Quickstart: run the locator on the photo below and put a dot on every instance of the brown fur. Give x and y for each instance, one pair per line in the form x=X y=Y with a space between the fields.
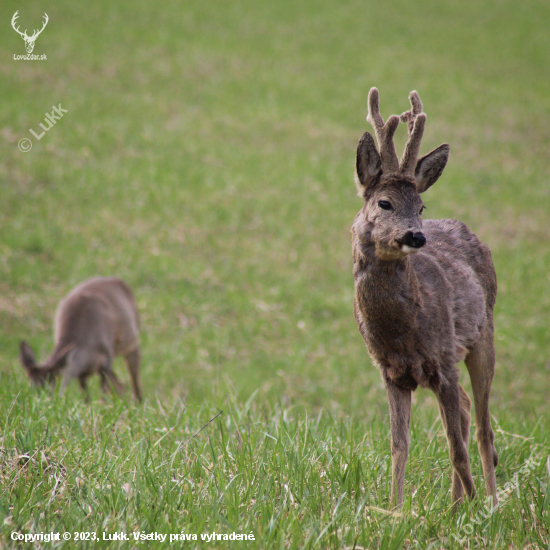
x=95 y=322
x=424 y=298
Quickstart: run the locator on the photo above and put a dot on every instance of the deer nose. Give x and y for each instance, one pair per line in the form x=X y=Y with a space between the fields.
x=415 y=240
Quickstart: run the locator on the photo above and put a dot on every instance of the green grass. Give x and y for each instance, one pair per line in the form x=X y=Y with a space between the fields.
x=207 y=159
x=292 y=479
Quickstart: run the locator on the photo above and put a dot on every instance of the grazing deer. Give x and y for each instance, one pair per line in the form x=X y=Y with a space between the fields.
x=424 y=297
x=95 y=322
x=29 y=40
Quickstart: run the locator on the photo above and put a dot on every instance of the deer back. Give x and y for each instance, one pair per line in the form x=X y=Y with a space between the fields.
x=100 y=313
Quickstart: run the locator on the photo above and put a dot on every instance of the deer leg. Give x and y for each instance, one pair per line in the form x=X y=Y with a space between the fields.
x=452 y=406
x=457 y=489
x=109 y=381
x=52 y=383
x=132 y=362
x=67 y=376
x=481 y=366
x=400 y=420
x=76 y=368
x=82 y=380
x=104 y=382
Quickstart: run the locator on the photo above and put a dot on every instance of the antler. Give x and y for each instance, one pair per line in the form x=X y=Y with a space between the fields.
x=415 y=120
x=36 y=33
x=384 y=133
x=16 y=29
x=24 y=34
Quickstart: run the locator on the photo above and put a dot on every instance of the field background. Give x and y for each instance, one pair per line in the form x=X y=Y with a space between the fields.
x=207 y=159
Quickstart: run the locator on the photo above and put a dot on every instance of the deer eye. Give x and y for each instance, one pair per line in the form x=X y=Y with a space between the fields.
x=384 y=205
x=422 y=210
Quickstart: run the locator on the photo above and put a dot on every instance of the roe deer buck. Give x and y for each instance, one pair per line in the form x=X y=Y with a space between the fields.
x=424 y=297
x=96 y=321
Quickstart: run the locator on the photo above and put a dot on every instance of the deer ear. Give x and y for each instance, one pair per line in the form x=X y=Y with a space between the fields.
x=26 y=356
x=430 y=167
x=367 y=164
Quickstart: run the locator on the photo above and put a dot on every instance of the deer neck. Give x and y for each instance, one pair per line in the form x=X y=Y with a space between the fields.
x=385 y=285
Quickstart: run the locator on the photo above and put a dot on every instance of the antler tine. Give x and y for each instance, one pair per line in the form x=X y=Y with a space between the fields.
x=415 y=120
x=36 y=33
x=416 y=109
x=13 y=21
x=384 y=132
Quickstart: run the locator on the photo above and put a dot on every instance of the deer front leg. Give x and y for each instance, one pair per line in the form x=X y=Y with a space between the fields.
x=400 y=419
x=109 y=380
x=82 y=380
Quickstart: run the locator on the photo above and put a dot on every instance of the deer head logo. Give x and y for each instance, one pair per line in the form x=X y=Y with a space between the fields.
x=29 y=40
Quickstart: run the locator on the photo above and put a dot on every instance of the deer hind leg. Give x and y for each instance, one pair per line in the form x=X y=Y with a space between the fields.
x=400 y=420
x=133 y=360
x=455 y=415
x=457 y=490
x=480 y=362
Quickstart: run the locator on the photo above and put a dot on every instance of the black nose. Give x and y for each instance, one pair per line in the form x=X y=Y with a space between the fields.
x=415 y=240
x=419 y=240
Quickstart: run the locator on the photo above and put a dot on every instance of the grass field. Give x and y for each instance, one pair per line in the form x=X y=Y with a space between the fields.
x=207 y=159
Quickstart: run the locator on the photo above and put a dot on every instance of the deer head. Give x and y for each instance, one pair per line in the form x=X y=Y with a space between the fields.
x=29 y=40
x=39 y=374
x=391 y=188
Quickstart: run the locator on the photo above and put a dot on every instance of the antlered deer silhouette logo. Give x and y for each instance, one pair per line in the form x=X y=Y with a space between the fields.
x=29 y=40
